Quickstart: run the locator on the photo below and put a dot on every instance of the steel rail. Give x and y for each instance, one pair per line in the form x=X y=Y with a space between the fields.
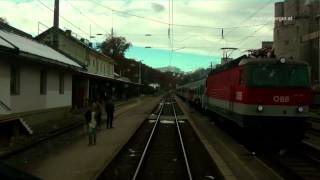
x=147 y=145
x=182 y=144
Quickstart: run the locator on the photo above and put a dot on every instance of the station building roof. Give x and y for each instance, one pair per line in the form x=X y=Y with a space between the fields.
x=28 y=47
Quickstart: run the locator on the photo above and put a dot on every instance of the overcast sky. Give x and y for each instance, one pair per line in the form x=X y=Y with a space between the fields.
x=197 y=29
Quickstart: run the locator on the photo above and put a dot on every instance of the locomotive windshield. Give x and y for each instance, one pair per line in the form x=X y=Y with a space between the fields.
x=275 y=75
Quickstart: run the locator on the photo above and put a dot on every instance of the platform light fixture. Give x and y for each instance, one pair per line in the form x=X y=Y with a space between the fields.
x=283 y=60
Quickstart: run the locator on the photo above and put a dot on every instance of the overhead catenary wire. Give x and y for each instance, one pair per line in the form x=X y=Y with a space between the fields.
x=251 y=16
x=82 y=14
x=168 y=23
x=172 y=24
x=245 y=20
x=257 y=30
x=43 y=4
x=241 y=41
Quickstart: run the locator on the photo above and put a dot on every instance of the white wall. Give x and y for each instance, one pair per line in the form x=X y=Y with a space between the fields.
x=53 y=98
x=4 y=86
x=30 y=99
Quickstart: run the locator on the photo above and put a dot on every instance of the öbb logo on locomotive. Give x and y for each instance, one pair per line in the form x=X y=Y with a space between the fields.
x=281 y=99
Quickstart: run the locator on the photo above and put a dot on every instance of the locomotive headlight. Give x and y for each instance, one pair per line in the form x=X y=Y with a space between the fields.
x=260 y=108
x=300 y=109
x=283 y=60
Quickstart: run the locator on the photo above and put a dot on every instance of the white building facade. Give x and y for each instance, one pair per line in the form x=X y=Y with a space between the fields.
x=35 y=84
x=27 y=87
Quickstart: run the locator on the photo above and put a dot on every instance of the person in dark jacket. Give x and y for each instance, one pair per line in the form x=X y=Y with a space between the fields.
x=109 y=110
x=99 y=112
x=87 y=117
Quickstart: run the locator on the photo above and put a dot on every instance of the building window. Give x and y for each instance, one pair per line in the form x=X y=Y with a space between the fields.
x=15 y=81
x=43 y=82
x=61 y=83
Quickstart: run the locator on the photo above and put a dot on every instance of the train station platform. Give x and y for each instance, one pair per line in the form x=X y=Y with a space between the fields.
x=82 y=162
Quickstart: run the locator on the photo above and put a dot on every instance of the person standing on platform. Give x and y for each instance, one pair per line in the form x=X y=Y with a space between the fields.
x=92 y=125
x=87 y=117
x=110 y=112
x=99 y=112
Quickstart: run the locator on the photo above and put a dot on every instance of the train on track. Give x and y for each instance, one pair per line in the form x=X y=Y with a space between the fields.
x=268 y=96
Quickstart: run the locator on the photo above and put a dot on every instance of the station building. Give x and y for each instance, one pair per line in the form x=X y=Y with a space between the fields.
x=35 y=85
x=40 y=84
x=98 y=80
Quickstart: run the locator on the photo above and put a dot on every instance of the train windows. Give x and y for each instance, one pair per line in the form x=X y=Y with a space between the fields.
x=278 y=76
x=298 y=76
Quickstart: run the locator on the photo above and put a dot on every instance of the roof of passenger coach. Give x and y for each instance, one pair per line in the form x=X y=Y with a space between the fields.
x=193 y=84
x=247 y=61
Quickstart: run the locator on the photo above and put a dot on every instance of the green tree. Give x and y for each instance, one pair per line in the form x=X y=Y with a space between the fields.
x=115 y=46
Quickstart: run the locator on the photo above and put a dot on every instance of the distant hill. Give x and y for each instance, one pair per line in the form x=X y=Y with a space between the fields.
x=170 y=69
x=194 y=75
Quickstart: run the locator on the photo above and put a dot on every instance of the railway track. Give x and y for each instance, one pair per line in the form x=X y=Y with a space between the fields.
x=300 y=163
x=164 y=147
x=143 y=170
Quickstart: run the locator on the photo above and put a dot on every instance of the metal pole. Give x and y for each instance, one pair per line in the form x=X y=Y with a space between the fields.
x=56 y=14
x=56 y=24
x=140 y=72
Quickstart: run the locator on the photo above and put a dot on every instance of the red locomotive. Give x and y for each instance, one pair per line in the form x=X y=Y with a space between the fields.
x=262 y=95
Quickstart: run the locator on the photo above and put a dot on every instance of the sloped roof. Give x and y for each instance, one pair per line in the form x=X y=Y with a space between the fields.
x=6 y=44
x=9 y=28
x=14 y=41
x=74 y=39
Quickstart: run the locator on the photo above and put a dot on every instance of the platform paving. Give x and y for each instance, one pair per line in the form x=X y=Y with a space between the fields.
x=82 y=162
